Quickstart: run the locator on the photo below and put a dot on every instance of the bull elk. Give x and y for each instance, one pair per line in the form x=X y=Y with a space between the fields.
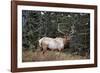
x=57 y=43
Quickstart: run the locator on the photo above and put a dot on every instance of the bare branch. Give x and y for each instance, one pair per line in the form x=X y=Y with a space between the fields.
x=38 y=29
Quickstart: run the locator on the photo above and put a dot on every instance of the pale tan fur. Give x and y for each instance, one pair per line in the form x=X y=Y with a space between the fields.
x=53 y=43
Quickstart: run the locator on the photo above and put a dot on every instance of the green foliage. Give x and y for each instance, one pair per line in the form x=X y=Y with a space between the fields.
x=37 y=24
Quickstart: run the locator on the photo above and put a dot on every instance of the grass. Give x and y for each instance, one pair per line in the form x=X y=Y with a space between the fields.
x=30 y=56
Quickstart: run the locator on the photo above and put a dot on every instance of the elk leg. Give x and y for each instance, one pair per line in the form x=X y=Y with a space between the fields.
x=59 y=49
x=45 y=48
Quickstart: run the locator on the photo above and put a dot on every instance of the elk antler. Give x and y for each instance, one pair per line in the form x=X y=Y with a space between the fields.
x=60 y=30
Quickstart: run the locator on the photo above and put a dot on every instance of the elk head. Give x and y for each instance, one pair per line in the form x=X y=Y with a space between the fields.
x=66 y=36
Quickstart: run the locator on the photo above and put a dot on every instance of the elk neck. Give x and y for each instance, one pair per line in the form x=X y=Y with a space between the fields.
x=65 y=40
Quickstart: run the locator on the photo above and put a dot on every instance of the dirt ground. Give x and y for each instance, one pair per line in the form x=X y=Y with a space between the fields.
x=30 y=56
